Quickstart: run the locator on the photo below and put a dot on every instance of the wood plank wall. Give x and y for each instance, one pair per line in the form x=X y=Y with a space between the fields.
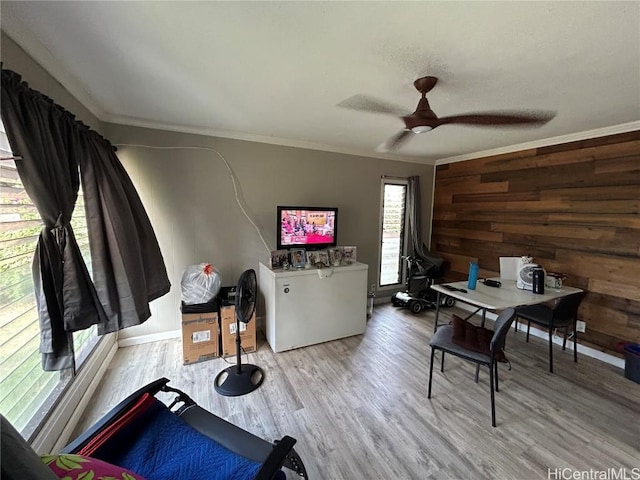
x=574 y=207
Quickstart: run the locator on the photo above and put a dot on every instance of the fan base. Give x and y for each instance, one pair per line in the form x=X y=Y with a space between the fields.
x=238 y=383
x=425 y=84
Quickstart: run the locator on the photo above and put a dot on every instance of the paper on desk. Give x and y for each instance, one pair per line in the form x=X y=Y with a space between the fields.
x=509 y=268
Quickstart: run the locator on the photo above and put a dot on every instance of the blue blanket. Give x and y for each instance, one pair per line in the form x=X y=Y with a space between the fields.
x=163 y=447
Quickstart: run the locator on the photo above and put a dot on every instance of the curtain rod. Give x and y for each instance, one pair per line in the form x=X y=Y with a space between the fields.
x=396 y=178
x=14 y=157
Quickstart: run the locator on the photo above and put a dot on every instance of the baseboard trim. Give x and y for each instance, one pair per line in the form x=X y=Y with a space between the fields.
x=152 y=337
x=536 y=332
x=170 y=335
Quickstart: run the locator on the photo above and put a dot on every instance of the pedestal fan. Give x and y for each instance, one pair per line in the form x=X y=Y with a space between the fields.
x=241 y=379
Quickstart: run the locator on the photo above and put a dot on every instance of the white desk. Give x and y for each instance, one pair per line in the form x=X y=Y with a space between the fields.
x=492 y=298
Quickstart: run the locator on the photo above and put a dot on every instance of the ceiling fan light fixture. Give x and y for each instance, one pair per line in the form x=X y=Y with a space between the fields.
x=423 y=119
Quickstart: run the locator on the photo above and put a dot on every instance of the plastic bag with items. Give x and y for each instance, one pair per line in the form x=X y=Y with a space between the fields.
x=200 y=284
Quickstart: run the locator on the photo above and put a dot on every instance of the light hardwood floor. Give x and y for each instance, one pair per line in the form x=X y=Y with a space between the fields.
x=359 y=410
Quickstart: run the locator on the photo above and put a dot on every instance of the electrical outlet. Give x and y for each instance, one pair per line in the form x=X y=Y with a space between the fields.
x=581 y=326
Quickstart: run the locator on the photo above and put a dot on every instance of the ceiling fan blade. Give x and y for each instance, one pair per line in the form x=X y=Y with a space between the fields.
x=370 y=104
x=395 y=141
x=499 y=119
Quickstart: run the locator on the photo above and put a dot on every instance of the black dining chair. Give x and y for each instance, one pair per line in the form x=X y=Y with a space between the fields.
x=443 y=340
x=564 y=315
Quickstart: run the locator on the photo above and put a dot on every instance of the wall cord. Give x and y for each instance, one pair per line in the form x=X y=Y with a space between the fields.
x=234 y=180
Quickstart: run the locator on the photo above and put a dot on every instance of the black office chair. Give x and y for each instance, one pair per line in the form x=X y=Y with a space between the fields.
x=443 y=340
x=563 y=315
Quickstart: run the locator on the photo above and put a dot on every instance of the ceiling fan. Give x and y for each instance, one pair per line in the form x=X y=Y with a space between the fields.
x=423 y=119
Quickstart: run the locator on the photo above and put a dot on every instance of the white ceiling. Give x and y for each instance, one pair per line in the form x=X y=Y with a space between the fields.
x=275 y=71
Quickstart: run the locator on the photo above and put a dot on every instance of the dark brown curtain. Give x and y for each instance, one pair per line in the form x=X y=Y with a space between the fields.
x=414 y=207
x=128 y=267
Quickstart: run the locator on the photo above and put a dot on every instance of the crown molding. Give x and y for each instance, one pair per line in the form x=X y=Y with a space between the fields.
x=249 y=137
x=572 y=137
x=16 y=30
x=34 y=47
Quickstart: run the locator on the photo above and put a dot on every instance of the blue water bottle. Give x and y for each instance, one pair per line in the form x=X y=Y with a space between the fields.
x=473 y=275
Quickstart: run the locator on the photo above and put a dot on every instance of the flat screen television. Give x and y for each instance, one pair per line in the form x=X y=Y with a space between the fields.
x=311 y=228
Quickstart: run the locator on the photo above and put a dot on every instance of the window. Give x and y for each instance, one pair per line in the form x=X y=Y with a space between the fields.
x=26 y=391
x=392 y=241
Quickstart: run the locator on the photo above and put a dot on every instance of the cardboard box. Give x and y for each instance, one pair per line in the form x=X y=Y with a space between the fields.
x=228 y=332
x=200 y=332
